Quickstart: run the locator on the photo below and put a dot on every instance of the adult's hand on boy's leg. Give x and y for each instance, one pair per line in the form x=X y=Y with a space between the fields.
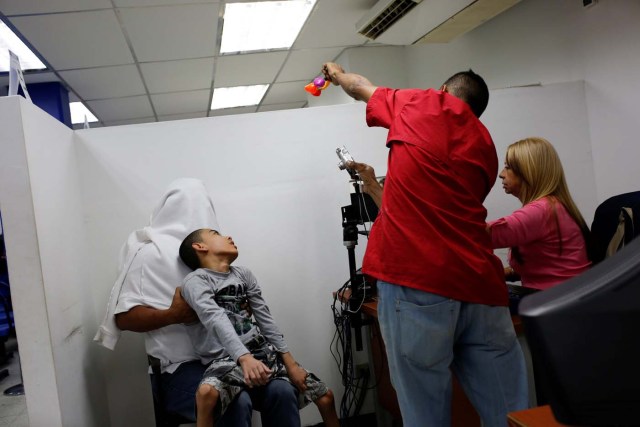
x=298 y=377
x=255 y=372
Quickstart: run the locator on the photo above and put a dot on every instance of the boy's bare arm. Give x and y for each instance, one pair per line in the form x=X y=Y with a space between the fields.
x=296 y=373
x=144 y=319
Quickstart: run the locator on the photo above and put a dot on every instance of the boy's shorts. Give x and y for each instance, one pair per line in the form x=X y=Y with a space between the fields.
x=228 y=379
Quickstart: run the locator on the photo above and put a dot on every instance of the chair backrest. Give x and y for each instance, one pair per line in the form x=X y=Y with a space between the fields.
x=615 y=223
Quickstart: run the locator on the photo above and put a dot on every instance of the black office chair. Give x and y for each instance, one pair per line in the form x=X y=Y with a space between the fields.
x=615 y=223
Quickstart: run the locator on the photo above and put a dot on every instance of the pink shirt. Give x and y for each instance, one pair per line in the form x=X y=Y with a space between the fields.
x=533 y=230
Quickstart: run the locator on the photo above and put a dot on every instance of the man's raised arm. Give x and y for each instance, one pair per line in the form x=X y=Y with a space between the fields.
x=355 y=85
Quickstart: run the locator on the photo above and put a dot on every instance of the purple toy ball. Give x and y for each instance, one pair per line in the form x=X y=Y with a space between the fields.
x=318 y=82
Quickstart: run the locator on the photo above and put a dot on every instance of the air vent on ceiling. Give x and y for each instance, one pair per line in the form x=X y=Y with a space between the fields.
x=405 y=22
x=390 y=11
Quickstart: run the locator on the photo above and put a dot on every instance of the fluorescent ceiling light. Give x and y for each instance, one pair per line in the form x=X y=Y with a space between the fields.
x=239 y=96
x=78 y=113
x=9 y=41
x=263 y=25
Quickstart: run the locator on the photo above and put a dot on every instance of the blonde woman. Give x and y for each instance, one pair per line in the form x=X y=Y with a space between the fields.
x=548 y=235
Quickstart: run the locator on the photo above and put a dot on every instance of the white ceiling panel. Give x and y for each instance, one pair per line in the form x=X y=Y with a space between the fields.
x=326 y=28
x=174 y=76
x=106 y=82
x=280 y=93
x=181 y=102
x=76 y=40
x=172 y=32
x=276 y=107
x=132 y=107
x=248 y=69
x=230 y=111
x=31 y=78
x=187 y=116
x=306 y=64
x=21 y=7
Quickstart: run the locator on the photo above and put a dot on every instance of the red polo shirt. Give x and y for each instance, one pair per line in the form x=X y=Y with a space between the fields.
x=430 y=232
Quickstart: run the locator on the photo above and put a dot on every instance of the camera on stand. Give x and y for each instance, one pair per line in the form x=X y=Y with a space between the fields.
x=362 y=210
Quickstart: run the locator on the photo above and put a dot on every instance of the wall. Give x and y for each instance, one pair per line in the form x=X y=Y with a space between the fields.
x=550 y=41
x=277 y=190
x=46 y=251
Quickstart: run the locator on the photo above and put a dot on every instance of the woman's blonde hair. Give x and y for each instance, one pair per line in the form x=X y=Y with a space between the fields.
x=537 y=164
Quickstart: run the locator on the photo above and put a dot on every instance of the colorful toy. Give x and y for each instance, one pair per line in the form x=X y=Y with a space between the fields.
x=317 y=86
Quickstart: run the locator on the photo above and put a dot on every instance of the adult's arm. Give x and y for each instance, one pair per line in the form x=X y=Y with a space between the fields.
x=354 y=85
x=525 y=225
x=144 y=319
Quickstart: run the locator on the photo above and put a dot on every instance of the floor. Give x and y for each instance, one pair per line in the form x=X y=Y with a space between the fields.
x=13 y=409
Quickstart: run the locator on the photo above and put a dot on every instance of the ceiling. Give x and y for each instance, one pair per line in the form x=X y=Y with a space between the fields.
x=138 y=61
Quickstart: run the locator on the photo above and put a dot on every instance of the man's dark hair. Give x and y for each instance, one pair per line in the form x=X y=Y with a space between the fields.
x=188 y=254
x=471 y=88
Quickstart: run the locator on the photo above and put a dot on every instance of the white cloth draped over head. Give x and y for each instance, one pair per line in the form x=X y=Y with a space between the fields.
x=184 y=207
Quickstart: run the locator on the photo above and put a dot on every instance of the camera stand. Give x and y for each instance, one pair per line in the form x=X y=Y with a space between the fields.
x=357 y=284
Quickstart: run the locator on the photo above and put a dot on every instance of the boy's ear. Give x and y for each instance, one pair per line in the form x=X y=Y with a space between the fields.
x=199 y=246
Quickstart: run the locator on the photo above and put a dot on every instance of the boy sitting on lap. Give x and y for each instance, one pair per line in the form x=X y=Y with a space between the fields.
x=242 y=354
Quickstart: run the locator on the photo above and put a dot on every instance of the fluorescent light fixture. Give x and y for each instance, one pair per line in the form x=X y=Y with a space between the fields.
x=263 y=25
x=239 y=96
x=9 y=41
x=78 y=113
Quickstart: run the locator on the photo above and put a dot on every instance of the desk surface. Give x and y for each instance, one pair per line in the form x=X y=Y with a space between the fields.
x=534 y=417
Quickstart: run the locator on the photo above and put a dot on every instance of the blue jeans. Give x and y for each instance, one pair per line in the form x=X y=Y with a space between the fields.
x=277 y=402
x=427 y=336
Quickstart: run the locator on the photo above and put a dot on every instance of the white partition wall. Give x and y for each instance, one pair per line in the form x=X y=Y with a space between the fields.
x=274 y=181
x=46 y=249
x=69 y=201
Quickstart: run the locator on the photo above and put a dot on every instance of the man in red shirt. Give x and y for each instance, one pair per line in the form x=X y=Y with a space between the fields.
x=442 y=299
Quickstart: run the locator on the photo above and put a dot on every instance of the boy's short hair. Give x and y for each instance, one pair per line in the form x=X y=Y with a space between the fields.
x=471 y=88
x=188 y=254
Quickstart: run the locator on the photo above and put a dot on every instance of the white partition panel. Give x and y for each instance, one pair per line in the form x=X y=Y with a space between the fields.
x=48 y=262
x=277 y=190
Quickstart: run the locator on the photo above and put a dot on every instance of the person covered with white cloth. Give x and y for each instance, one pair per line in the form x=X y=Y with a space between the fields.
x=146 y=298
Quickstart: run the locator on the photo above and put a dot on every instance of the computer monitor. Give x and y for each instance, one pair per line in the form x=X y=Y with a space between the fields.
x=584 y=337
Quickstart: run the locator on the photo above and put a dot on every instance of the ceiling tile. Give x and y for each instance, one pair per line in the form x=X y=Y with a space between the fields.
x=175 y=76
x=187 y=116
x=76 y=40
x=38 y=77
x=181 y=102
x=342 y=25
x=306 y=64
x=13 y=7
x=106 y=82
x=280 y=93
x=131 y=107
x=248 y=69
x=286 y=106
x=172 y=32
x=231 y=111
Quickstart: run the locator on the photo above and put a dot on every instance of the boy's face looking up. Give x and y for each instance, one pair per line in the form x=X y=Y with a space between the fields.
x=218 y=245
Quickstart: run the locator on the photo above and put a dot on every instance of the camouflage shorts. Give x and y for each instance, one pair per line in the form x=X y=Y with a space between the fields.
x=228 y=379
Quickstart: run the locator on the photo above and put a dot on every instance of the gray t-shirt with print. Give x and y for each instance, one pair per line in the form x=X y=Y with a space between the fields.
x=220 y=300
